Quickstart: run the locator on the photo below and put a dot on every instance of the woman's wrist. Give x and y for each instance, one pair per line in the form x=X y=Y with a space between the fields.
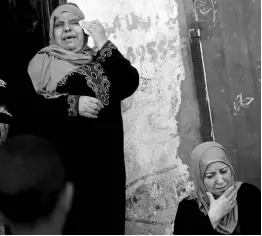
x=213 y=219
x=73 y=102
x=101 y=44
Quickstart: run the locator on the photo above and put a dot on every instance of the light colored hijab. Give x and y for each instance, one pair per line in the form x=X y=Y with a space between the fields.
x=198 y=167
x=53 y=63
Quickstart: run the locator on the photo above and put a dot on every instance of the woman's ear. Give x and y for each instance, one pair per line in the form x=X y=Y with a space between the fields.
x=66 y=197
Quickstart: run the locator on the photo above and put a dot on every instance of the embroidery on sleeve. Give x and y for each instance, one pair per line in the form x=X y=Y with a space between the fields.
x=2 y=83
x=95 y=79
x=4 y=111
x=106 y=52
x=49 y=94
x=72 y=104
x=62 y=82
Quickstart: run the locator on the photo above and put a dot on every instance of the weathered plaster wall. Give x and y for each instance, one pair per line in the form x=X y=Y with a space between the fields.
x=160 y=114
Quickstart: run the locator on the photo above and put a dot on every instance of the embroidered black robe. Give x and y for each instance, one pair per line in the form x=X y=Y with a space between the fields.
x=92 y=149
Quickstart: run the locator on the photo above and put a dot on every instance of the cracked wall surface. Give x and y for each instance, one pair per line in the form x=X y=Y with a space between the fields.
x=161 y=118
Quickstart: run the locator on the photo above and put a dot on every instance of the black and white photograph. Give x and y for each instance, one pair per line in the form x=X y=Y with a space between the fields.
x=130 y=117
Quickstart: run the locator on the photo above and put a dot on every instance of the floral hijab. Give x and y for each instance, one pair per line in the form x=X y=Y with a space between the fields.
x=198 y=166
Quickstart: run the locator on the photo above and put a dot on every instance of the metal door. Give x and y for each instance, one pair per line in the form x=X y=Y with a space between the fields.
x=229 y=41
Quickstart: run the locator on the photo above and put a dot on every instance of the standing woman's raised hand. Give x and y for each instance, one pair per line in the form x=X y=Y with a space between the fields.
x=221 y=206
x=97 y=31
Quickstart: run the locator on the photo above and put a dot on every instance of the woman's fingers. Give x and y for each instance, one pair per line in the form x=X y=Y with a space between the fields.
x=91 y=111
x=88 y=26
x=228 y=191
x=95 y=106
x=94 y=22
x=233 y=198
x=98 y=102
x=85 y=24
x=88 y=115
x=210 y=196
x=93 y=103
x=232 y=195
x=98 y=32
x=90 y=106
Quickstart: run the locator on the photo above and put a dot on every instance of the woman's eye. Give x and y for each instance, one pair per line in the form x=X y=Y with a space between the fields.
x=209 y=176
x=74 y=22
x=223 y=171
x=58 y=24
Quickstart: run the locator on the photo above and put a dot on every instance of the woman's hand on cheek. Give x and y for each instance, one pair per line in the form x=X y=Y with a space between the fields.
x=221 y=206
x=96 y=31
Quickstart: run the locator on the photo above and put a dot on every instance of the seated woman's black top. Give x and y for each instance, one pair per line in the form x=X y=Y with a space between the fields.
x=190 y=220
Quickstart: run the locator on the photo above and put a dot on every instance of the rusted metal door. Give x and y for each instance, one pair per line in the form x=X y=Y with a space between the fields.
x=229 y=32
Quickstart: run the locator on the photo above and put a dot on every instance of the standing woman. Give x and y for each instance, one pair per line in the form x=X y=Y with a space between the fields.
x=219 y=204
x=90 y=85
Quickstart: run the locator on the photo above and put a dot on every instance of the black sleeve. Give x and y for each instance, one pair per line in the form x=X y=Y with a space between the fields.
x=256 y=210
x=44 y=116
x=249 y=202
x=64 y=105
x=118 y=69
x=29 y=105
x=23 y=102
x=190 y=220
x=5 y=115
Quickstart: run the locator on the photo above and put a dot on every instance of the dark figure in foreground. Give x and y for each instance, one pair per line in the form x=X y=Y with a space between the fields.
x=219 y=205
x=24 y=37
x=86 y=86
x=34 y=195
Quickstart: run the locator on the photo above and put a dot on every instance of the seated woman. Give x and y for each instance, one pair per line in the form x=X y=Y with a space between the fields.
x=219 y=204
x=89 y=85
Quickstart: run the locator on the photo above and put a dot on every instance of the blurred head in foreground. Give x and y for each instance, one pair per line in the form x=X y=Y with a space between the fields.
x=34 y=195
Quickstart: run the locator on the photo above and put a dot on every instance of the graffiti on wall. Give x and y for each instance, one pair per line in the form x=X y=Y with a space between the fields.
x=231 y=39
x=147 y=33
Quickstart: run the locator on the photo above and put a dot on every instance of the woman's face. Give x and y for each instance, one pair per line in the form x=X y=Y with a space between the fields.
x=67 y=32
x=217 y=177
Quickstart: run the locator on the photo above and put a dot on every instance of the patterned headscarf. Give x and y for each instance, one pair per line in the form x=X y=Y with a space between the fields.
x=199 y=164
x=53 y=63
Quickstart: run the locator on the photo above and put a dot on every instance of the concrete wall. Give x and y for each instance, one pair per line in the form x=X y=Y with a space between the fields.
x=161 y=119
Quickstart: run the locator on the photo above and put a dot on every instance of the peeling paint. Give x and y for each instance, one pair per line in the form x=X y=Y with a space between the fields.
x=147 y=33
